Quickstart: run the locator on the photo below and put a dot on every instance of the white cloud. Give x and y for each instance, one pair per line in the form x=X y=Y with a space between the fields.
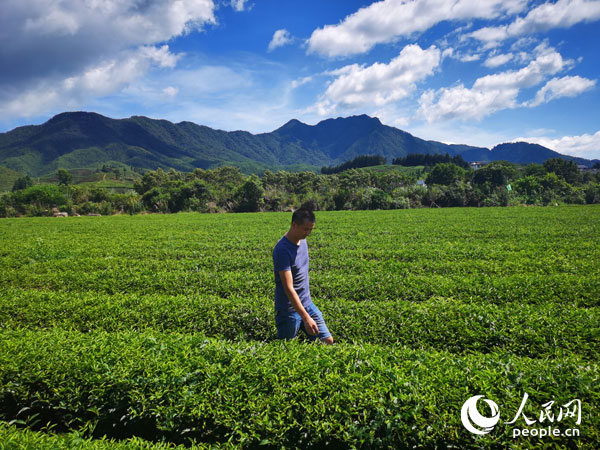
x=392 y=116
x=523 y=43
x=280 y=38
x=547 y=62
x=170 y=92
x=55 y=44
x=492 y=36
x=301 y=82
x=465 y=133
x=239 y=5
x=492 y=92
x=498 y=60
x=103 y=79
x=379 y=84
x=448 y=53
x=562 y=14
x=387 y=20
x=464 y=103
x=470 y=58
x=569 y=86
x=584 y=146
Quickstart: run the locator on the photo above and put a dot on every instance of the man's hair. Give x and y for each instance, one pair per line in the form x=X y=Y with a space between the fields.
x=302 y=215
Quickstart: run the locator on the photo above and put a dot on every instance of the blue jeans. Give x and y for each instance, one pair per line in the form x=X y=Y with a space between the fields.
x=289 y=322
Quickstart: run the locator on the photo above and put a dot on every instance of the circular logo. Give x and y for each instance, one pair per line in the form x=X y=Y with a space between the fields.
x=471 y=417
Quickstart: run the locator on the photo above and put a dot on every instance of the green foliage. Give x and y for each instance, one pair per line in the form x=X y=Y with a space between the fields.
x=439 y=323
x=565 y=169
x=40 y=196
x=178 y=388
x=357 y=162
x=420 y=159
x=64 y=177
x=14 y=438
x=445 y=174
x=249 y=196
x=226 y=189
x=530 y=187
x=494 y=174
x=536 y=170
x=8 y=178
x=22 y=183
x=592 y=193
x=133 y=327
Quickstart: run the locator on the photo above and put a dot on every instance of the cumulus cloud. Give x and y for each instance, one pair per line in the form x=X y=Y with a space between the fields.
x=498 y=60
x=583 y=146
x=388 y=20
x=280 y=38
x=379 y=84
x=569 y=86
x=562 y=14
x=102 y=79
x=47 y=43
x=492 y=92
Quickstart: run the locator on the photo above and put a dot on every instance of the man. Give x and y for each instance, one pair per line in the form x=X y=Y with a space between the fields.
x=294 y=308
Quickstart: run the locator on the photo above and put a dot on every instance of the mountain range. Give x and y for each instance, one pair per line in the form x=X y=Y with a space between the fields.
x=89 y=140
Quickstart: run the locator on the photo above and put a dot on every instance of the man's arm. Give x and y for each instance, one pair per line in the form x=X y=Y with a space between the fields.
x=288 y=286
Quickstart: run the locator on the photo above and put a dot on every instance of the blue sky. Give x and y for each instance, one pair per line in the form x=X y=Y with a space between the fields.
x=478 y=72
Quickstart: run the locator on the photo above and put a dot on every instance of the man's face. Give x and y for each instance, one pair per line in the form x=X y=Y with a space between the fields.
x=304 y=229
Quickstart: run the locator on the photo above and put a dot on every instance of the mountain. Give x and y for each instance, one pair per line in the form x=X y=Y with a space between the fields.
x=521 y=153
x=89 y=140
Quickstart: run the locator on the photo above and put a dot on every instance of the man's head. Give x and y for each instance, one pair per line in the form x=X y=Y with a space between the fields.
x=303 y=222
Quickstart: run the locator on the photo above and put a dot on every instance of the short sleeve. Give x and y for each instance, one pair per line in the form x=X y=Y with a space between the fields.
x=281 y=259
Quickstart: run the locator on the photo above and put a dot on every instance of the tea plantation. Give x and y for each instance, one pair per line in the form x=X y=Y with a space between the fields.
x=157 y=331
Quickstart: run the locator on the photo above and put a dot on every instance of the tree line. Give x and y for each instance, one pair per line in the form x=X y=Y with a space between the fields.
x=421 y=159
x=356 y=163
x=227 y=189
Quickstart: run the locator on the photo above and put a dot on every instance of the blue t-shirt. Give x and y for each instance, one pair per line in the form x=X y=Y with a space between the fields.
x=289 y=256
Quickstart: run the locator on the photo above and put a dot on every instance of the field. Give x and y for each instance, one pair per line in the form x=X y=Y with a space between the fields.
x=155 y=331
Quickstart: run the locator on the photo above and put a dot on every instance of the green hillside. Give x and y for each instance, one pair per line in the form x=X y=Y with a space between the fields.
x=7 y=178
x=83 y=140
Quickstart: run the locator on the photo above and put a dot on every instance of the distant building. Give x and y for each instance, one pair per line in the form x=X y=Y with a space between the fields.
x=584 y=168
x=478 y=164
x=421 y=183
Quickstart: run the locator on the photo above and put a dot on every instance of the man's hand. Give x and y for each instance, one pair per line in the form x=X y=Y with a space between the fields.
x=311 y=326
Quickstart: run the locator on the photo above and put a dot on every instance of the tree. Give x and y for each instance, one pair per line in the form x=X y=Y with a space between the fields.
x=530 y=187
x=64 y=177
x=41 y=195
x=565 y=169
x=445 y=174
x=22 y=183
x=423 y=159
x=249 y=196
x=496 y=173
x=536 y=170
x=357 y=162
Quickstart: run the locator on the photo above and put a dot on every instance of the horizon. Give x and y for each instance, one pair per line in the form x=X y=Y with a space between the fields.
x=476 y=73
